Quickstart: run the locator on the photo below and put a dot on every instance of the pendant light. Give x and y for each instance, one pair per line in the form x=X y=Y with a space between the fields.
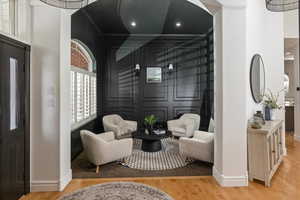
x=282 y=5
x=67 y=4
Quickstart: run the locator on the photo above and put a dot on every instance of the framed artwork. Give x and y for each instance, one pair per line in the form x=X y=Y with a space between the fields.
x=154 y=75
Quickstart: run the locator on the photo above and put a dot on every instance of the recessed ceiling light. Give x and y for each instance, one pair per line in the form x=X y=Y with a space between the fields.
x=178 y=24
x=133 y=24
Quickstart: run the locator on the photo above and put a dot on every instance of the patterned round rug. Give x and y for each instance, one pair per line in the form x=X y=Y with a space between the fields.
x=168 y=158
x=118 y=191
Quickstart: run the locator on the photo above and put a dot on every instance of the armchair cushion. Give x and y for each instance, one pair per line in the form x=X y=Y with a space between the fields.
x=200 y=147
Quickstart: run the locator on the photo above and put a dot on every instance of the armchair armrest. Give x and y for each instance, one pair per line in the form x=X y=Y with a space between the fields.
x=174 y=123
x=204 y=136
x=107 y=136
x=131 y=124
x=112 y=128
x=190 y=127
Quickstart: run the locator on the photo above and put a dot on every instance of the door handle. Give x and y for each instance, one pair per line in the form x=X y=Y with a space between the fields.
x=298 y=89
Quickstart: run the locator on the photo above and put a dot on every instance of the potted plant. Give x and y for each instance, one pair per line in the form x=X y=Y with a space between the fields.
x=270 y=102
x=149 y=122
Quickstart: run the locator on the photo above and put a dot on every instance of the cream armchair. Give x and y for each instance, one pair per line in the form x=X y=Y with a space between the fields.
x=103 y=148
x=185 y=126
x=122 y=128
x=200 y=147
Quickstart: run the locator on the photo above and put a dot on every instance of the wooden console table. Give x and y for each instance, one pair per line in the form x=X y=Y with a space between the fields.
x=265 y=151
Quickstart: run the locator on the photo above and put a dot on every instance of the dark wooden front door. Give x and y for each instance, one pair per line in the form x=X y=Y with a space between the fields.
x=13 y=119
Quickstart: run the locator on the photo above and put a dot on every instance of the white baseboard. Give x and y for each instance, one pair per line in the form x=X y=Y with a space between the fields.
x=297 y=138
x=44 y=186
x=65 y=180
x=230 y=181
x=51 y=186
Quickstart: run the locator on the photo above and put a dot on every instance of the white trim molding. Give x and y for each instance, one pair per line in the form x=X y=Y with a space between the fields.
x=65 y=180
x=230 y=181
x=44 y=186
x=50 y=185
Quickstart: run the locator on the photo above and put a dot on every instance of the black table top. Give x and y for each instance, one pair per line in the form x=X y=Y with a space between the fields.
x=141 y=134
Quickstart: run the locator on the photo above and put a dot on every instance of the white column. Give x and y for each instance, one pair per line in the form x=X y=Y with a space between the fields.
x=50 y=105
x=230 y=167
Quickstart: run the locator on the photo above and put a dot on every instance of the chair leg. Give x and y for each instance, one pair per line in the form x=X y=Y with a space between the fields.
x=97 y=169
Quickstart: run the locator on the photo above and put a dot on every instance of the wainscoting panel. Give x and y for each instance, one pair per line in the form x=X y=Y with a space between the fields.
x=187 y=88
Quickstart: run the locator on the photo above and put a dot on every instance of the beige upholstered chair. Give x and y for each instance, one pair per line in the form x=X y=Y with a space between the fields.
x=200 y=147
x=185 y=126
x=122 y=128
x=103 y=148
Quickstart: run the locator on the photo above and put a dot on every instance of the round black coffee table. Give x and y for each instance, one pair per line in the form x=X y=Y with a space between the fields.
x=151 y=143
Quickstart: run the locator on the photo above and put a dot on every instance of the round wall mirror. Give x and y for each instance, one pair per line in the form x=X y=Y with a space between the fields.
x=257 y=78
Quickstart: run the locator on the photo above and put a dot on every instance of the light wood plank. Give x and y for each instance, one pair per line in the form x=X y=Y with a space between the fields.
x=285 y=185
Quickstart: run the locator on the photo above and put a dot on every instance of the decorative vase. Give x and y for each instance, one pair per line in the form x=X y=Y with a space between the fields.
x=149 y=129
x=273 y=115
x=269 y=114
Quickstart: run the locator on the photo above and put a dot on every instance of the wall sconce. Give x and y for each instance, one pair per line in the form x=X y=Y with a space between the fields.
x=171 y=68
x=137 y=69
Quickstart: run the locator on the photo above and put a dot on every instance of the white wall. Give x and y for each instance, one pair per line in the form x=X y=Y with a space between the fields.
x=291 y=28
x=265 y=36
x=50 y=117
x=295 y=51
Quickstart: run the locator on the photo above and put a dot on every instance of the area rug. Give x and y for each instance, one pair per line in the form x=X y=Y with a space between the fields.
x=118 y=191
x=166 y=159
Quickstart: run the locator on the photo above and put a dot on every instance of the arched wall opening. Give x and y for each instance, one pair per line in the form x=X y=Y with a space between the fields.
x=158 y=60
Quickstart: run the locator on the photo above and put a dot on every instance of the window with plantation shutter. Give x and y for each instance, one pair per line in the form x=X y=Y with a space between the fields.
x=83 y=86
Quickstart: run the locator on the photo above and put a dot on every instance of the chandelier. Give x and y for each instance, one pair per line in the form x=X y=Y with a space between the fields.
x=282 y=5
x=67 y=4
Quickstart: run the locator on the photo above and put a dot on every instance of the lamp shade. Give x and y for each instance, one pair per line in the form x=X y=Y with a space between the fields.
x=282 y=5
x=67 y=4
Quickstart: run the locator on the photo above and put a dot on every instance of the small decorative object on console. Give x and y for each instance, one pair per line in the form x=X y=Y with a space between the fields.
x=270 y=101
x=259 y=116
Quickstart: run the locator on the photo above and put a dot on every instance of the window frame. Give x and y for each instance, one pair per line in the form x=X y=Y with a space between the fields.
x=92 y=74
x=13 y=19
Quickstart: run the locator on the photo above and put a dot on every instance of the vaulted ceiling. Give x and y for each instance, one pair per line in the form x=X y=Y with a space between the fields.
x=149 y=17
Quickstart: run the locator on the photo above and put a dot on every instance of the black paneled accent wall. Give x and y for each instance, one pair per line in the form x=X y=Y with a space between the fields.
x=186 y=89
x=118 y=47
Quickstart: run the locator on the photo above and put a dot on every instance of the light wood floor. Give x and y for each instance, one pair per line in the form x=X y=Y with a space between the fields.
x=285 y=185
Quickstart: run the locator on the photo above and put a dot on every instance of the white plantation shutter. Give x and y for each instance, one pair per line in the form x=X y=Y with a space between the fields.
x=72 y=97
x=86 y=96
x=93 y=95
x=79 y=97
x=83 y=96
